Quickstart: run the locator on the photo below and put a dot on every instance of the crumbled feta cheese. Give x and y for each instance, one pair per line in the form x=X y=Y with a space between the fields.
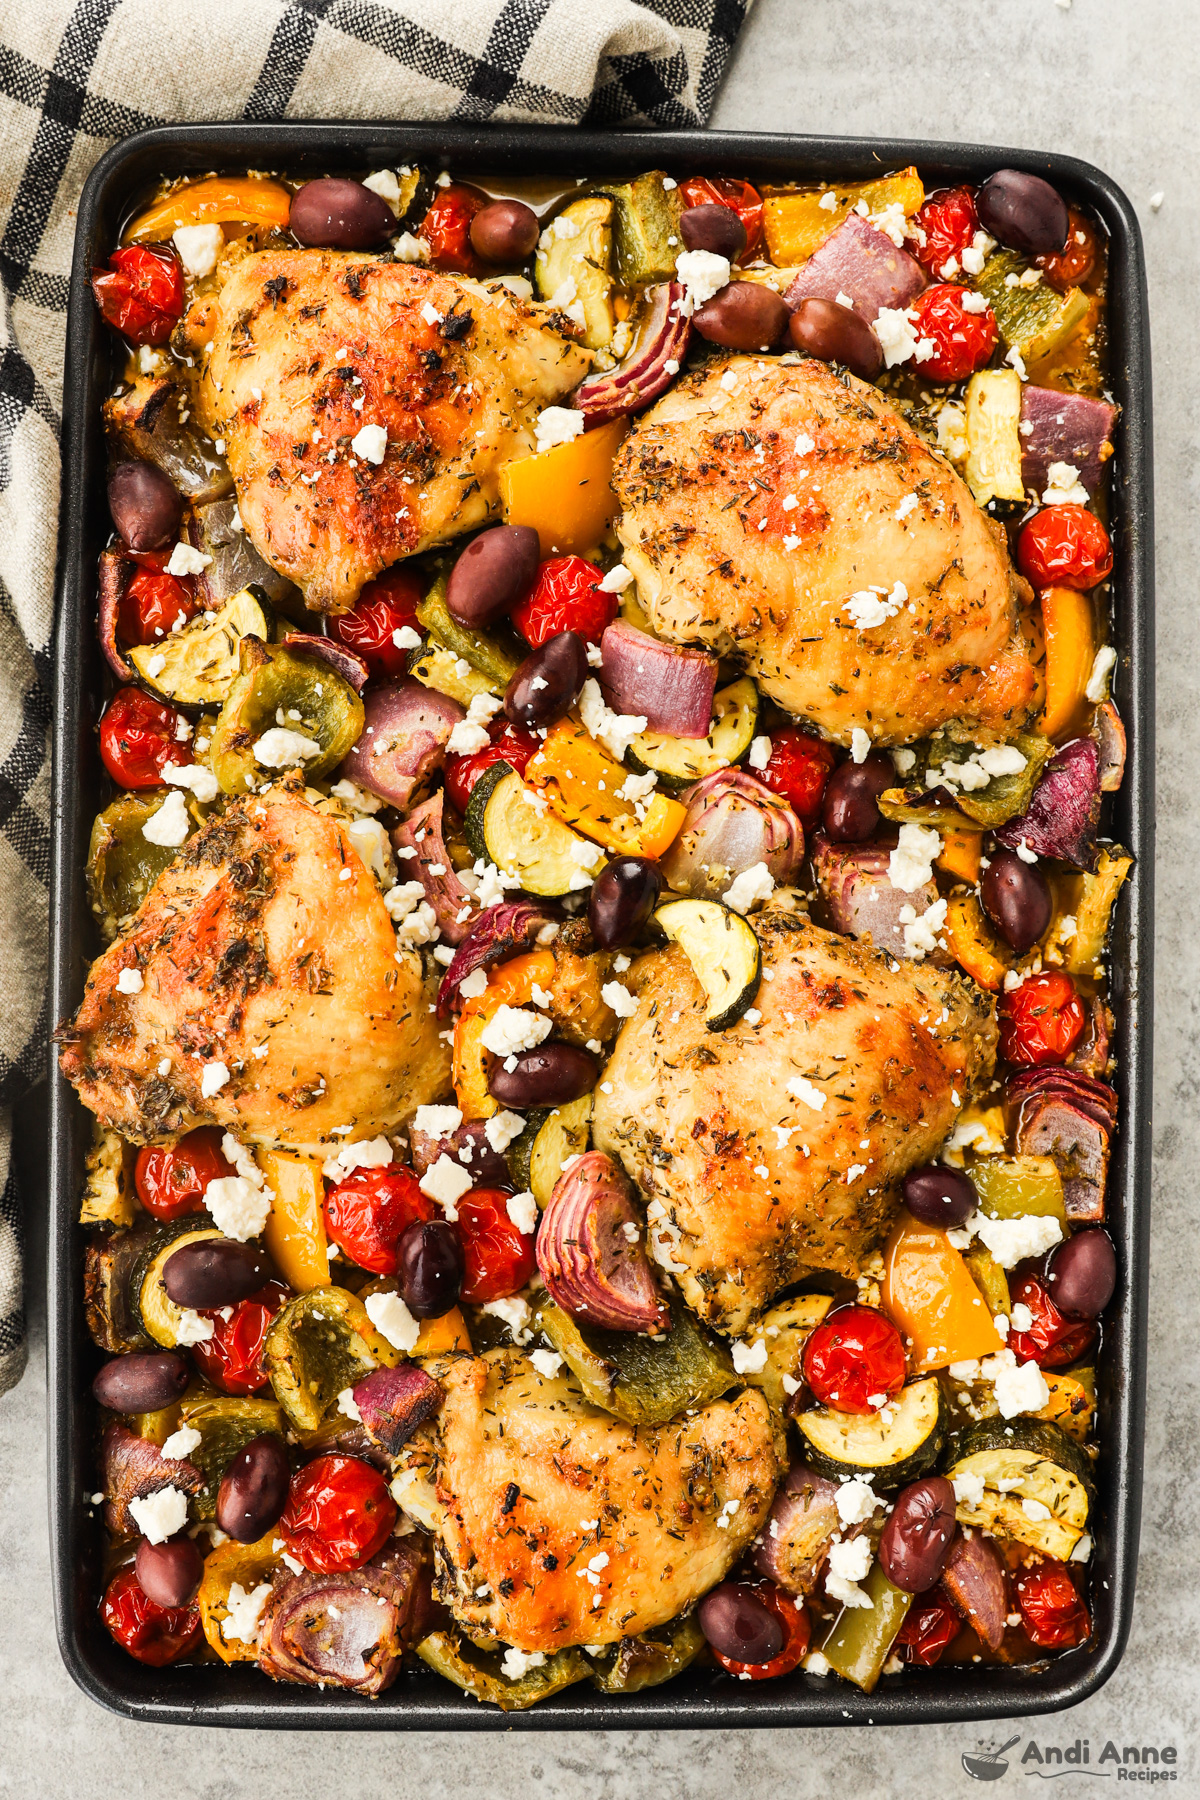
x=437 y=1121
x=1022 y=1318
x=1082 y=1550
x=635 y=788
x=393 y=1321
x=160 y=1515
x=1018 y=1387
x=952 y=438
x=860 y=745
x=753 y=885
x=977 y=253
x=898 y=339
x=515 y=1313
x=703 y=274
x=516 y=1663
x=199 y=246
x=1012 y=1240
x=374 y=847
x=471 y=987
x=514 y=1028
x=244 y=1612
x=446 y=1182
x=892 y=222
x=903 y=760
x=383 y=182
x=522 y=1209
x=803 y=1090
x=405 y=638
x=849 y=1562
x=921 y=929
x=1099 y=682
x=170 y=825
x=910 y=864
x=874 y=606
x=367 y=1153
x=370 y=443
x=1156 y=199
x=410 y=249
x=1063 y=485
x=130 y=981
x=618 y=996
x=557 y=425
x=748 y=1359
x=280 y=748
x=760 y=753
x=616 y=731
x=179 y=1446
x=201 y=781
x=186 y=561
x=617 y=579
x=856 y=1500
x=213 y=1078
x=726 y=1514
x=1018 y=363
x=192 y=1327
x=238 y=1208
x=968 y=1488
x=347 y=1406
x=465 y=739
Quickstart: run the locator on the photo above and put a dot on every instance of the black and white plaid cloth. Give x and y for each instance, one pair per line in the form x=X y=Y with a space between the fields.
x=75 y=76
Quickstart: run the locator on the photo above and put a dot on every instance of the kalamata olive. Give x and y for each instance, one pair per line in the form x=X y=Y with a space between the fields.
x=214 y=1272
x=145 y=505
x=142 y=1382
x=336 y=214
x=849 y=814
x=714 y=228
x=551 y=1075
x=1024 y=212
x=738 y=1625
x=169 y=1573
x=916 y=1539
x=494 y=571
x=254 y=1488
x=939 y=1196
x=1016 y=898
x=834 y=333
x=744 y=315
x=623 y=896
x=430 y=1267
x=504 y=232
x=548 y=682
x=1082 y=1273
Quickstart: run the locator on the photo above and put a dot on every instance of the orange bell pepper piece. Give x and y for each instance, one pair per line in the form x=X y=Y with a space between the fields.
x=929 y=1294
x=960 y=855
x=565 y=493
x=580 y=780
x=440 y=1335
x=973 y=946
x=1070 y=652
x=218 y=200
x=511 y=983
x=294 y=1233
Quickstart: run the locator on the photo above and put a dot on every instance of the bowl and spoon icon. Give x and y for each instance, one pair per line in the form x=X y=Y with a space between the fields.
x=987 y=1765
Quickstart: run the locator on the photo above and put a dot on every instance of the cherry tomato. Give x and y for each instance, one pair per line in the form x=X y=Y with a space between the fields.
x=368 y=1213
x=963 y=341
x=1064 y=546
x=510 y=743
x=930 y=1627
x=154 y=1634
x=797 y=1631
x=232 y=1357
x=1041 y=1021
x=153 y=601
x=1052 y=1341
x=138 y=739
x=739 y=196
x=140 y=293
x=1068 y=267
x=446 y=228
x=171 y=1179
x=1052 y=1611
x=384 y=607
x=798 y=769
x=854 y=1360
x=499 y=1258
x=565 y=597
x=949 y=221
x=339 y=1513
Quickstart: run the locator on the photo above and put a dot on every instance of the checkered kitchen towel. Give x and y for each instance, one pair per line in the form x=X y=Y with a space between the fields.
x=76 y=75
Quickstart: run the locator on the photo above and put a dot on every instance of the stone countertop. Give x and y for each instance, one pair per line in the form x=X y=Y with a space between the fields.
x=1115 y=85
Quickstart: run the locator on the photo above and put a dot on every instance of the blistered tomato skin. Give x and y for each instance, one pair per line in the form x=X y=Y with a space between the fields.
x=1041 y=1021
x=154 y=604
x=510 y=743
x=755 y=1630
x=154 y=1635
x=139 y=737
x=1051 y=1340
x=963 y=341
x=930 y=1627
x=949 y=222
x=367 y=1214
x=446 y=228
x=739 y=196
x=798 y=770
x=1064 y=545
x=1070 y=266
x=170 y=1181
x=498 y=1258
x=338 y=1514
x=854 y=1360
x=1054 y=1616
x=232 y=1357
x=385 y=606
x=140 y=294
x=566 y=596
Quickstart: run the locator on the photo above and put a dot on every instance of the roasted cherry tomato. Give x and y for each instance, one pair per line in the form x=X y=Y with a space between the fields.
x=510 y=743
x=339 y=1513
x=384 y=607
x=446 y=228
x=930 y=1627
x=1064 y=545
x=368 y=1213
x=854 y=1360
x=963 y=341
x=565 y=597
x=1052 y=1341
x=798 y=769
x=948 y=221
x=154 y=1634
x=171 y=1179
x=797 y=1632
x=140 y=293
x=1041 y=1021
x=154 y=601
x=499 y=1258
x=1052 y=1611
x=739 y=196
x=1067 y=267
x=138 y=738
x=232 y=1357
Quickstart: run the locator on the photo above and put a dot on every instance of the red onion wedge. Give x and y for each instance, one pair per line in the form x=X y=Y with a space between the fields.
x=1108 y=729
x=499 y=932
x=862 y=902
x=798 y=1531
x=346 y=663
x=863 y=263
x=650 y=365
x=430 y=864
x=468 y=1145
x=134 y=1467
x=1064 y=428
x=591 y=1253
x=114 y=576
x=215 y=528
x=403 y=742
x=1069 y=1116
x=671 y=688
x=346 y=1630
x=974 y=1579
x=395 y=1402
x=1092 y=1055
x=1065 y=809
x=732 y=822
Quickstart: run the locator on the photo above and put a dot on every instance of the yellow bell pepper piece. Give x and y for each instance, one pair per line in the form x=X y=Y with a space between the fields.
x=565 y=493
x=295 y=1230
x=929 y=1294
x=218 y=200
x=1070 y=652
x=973 y=946
x=795 y=225
x=580 y=780
x=510 y=984
x=960 y=855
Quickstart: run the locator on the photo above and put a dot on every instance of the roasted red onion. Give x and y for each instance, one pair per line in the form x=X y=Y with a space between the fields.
x=1064 y=428
x=732 y=823
x=421 y=832
x=346 y=663
x=593 y=1266
x=393 y=1403
x=661 y=341
x=215 y=528
x=798 y=1530
x=347 y=1630
x=1092 y=1055
x=1109 y=732
x=403 y=742
x=1070 y=1116
x=863 y=263
x=499 y=932
x=974 y=1579
x=671 y=688
x=113 y=579
x=134 y=1467
x=1065 y=809
x=467 y=1145
x=862 y=902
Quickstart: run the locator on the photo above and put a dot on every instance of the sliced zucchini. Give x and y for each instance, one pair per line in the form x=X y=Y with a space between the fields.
x=646 y=229
x=496 y=654
x=226 y=1424
x=536 y=1160
x=783 y=1330
x=646 y=1380
x=110 y=1266
x=1009 y=1187
x=1033 y=320
x=436 y=666
x=275 y=688
x=723 y=951
x=161 y=1318
x=573 y=266
x=508 y=826
x=247 y=1564
x=1093 y=910
x=123 y=865
x=993 y=415
x=678 y=762
x=886 y=1448
x=108 y=1193
x=1003 y=798
x=647 y=1661
x=1025 y=1460
x=198 y=665
x=481 y=1672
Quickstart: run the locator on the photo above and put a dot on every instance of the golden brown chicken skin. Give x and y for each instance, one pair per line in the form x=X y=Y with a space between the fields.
x=751 y=1186
x=558 y=1524
x=310 y=346
x=760 y=495
x=257 y=954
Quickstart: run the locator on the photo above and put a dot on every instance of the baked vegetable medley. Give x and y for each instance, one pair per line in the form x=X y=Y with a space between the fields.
x=598 y=1045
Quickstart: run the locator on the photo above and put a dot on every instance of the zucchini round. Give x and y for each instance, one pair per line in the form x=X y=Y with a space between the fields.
x=535 y=1161
x=885 y=1451
x=723 y=951
x=197 y=666
x=1025 y=1460
x=678 y=762
x=160 y=1316
x=435 y=666
x=646 y=1380
x=505 y=827
x=274 y=685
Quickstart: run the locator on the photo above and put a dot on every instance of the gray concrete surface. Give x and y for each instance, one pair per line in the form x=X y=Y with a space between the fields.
x=1115 y=84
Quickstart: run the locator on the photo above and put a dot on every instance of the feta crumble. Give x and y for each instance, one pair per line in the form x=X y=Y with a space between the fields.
x=856 y=1500
x=393 y=1321
x=370 y=443
x=753 y=885
x=186 y=561
x=1063 y=485
x=800 y=1088
x=849 y=1562
x=703 y=274
x=514 y=1028
x=237 y=1207
x=130 y=981
x=367 y=1153
x=280 y=748
x=160 y=1515
x=616 y=731
x=860 y=745
x=1099 y=681
x=748 y=1359
x=169 y=826
x=179 y=1446
x=910 y=864
x=446 y=1181
x=244 y=1612
x=194 y=776
x=199 y=246
x=760 y=753
x=557 y=425
x=522 y=1209
x=616 y=995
